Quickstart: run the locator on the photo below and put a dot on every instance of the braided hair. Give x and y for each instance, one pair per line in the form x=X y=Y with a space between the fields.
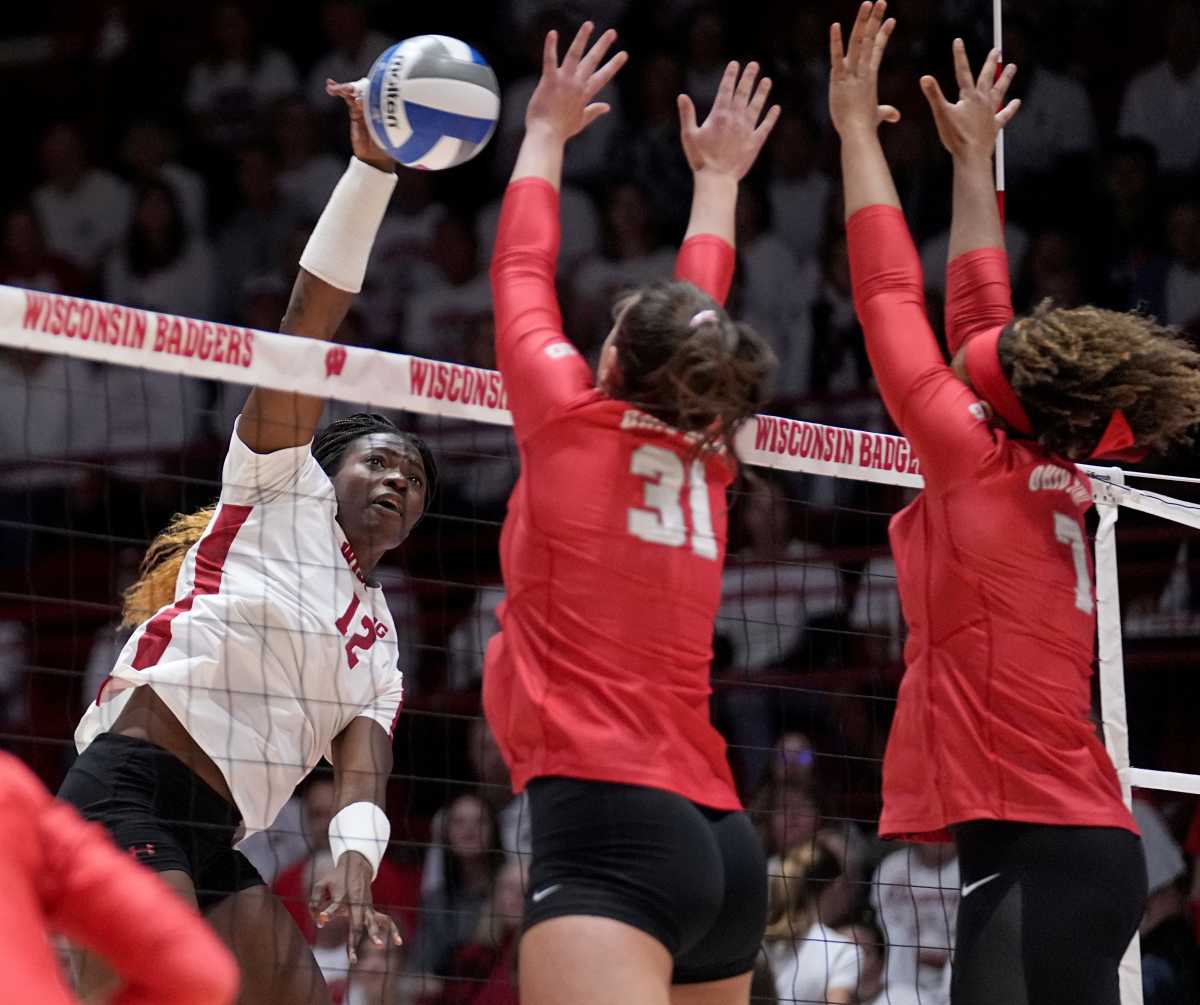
x=682 y=359
x=155 y=586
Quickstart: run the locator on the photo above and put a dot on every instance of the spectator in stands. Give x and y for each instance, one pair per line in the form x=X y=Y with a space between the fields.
x=793 y=820
x=237 y=80
x=915 y=895
x=1056 y=119
x=1169 y=971
x=159 y=266
x=395 y=889
x=442 y=319
x=872 y=978
x=800 y=190
x=1181 y=295
x=484 y=971
x=840 y=364
x=1162 y=103
x=83 y=210
x=307 y=174
x=353 y=47
x=812 y=961
x=450 y=910
x=633 y=255
x=1127 y=232
x=254 y=241
x=148 y=151
x=707 y=53
x=25 y=260
x=1054 y=270
x=775 y=293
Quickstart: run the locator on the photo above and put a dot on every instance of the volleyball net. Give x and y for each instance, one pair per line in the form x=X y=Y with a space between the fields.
x=116 y=418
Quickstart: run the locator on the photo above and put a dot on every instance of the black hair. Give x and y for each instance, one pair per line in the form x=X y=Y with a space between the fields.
x=143 y=259
x=332 y=441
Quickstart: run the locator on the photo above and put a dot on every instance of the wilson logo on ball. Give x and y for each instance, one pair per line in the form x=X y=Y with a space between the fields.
x=431 y=102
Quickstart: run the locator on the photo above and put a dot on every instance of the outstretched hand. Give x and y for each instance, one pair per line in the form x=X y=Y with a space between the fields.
x=346 y=891
x=562 y=101
x=854 y=72
x=365 y=148
x=969 y=126
x=731 y=137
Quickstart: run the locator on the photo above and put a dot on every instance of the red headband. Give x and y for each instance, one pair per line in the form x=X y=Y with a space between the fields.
x=982 y=359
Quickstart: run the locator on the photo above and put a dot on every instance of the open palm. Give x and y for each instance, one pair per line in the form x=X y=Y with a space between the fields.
x=732 y=136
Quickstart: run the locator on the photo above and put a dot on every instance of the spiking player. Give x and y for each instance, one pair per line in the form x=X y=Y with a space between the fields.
x=992 y=744
x=278 y=648
x=647 y=882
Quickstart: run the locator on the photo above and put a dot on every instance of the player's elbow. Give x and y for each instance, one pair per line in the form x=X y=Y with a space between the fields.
x=522 y=263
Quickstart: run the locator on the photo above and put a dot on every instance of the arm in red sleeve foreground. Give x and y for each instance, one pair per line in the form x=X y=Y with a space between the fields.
x=707 y=261
x=158 y=945
x=542 y=370
x=978 y=295
x=929 y=404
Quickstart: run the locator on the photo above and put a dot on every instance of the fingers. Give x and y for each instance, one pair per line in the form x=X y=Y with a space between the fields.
x=320 y=905
x=933 y=94
x=765 y=127
x=881 y=43
x=857 y=35
x=550 y=52
x=597 y=52
x=1000 y=89
x=962 y=66
x=358 y=924
x=578 y=45
x=745 y=87
x=1005 y=115
x=600 y=79
x=726 y=88
x=837 y=52
x=687 y=114
x=889 y=114
x=394 y=930
x=594 y=111
x=989 y=72
x=759 y=101
x=377 y=928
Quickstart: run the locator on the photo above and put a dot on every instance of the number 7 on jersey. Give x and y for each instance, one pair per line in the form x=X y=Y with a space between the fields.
x=662 y=520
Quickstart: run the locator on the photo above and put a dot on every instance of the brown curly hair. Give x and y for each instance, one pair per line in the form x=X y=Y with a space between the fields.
x=1072 y=367
x=708 y=378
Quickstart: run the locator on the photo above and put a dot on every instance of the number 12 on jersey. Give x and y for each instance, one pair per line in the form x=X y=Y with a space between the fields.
x=662 y=520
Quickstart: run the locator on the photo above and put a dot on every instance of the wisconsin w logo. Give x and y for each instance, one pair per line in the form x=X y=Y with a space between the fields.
x=335 y=359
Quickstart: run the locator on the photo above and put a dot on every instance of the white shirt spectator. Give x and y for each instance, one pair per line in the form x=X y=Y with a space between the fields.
x=1056 y=120
x=143 y=416
x=916 y=905
x=47 y=412
x=83 y=224
x=1164 y=110
x=183 y=287
x=400 y=265
x=778 y=294
x=190 y=190
x=1182 y=295
x=443 y=321
x=765 y=605
x=807 y=970
x=798 y=208
x=212 y=86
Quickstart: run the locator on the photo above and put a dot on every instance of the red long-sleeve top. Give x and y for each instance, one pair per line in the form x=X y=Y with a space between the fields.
x=62 y=875
x=994 y=572
x=611 y=551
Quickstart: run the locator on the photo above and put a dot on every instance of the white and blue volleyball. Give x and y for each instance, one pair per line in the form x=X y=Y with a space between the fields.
x=432 y=102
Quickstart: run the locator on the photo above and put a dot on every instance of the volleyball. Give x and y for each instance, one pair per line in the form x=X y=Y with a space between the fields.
x=431 y=102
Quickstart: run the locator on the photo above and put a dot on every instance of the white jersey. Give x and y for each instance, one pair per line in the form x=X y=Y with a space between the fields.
x=916 y=905
x=820 y=961
x=274 y=643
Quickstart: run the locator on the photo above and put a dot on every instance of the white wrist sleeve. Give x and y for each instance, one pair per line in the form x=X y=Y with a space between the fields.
x=340 y=244
x=362 y=827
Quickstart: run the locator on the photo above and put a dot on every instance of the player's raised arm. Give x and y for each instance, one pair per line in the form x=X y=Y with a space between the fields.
x=929 y=404
x=979 y=296
x=540 y=367
x=331 y=273
x=720 y=153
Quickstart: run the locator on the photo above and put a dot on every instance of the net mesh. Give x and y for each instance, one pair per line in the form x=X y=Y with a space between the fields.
x=108 y=434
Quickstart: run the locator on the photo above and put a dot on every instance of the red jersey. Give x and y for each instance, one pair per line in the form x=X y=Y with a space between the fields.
x=994 y=572
x=62 y=875
x=611 y=551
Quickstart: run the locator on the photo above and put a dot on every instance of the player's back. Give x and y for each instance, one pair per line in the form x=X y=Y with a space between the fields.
x=612 y=555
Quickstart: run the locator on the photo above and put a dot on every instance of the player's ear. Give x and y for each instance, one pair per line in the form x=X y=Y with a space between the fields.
x=608 y=371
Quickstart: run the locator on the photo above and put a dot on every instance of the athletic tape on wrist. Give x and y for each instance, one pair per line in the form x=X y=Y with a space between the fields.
x=362 y=827
x=341 y=242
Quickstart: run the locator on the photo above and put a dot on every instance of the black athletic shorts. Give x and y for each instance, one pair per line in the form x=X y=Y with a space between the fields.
x=1046 y=912
x=161 y=812
x=693 y=878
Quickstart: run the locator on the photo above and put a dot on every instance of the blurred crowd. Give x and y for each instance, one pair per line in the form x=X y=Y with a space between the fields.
x=175 y=157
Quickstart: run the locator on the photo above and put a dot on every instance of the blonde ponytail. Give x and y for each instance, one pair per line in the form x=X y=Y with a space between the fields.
x=155 y=586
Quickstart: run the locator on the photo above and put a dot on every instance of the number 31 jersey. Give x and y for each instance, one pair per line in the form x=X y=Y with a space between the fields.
x=612 y=550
